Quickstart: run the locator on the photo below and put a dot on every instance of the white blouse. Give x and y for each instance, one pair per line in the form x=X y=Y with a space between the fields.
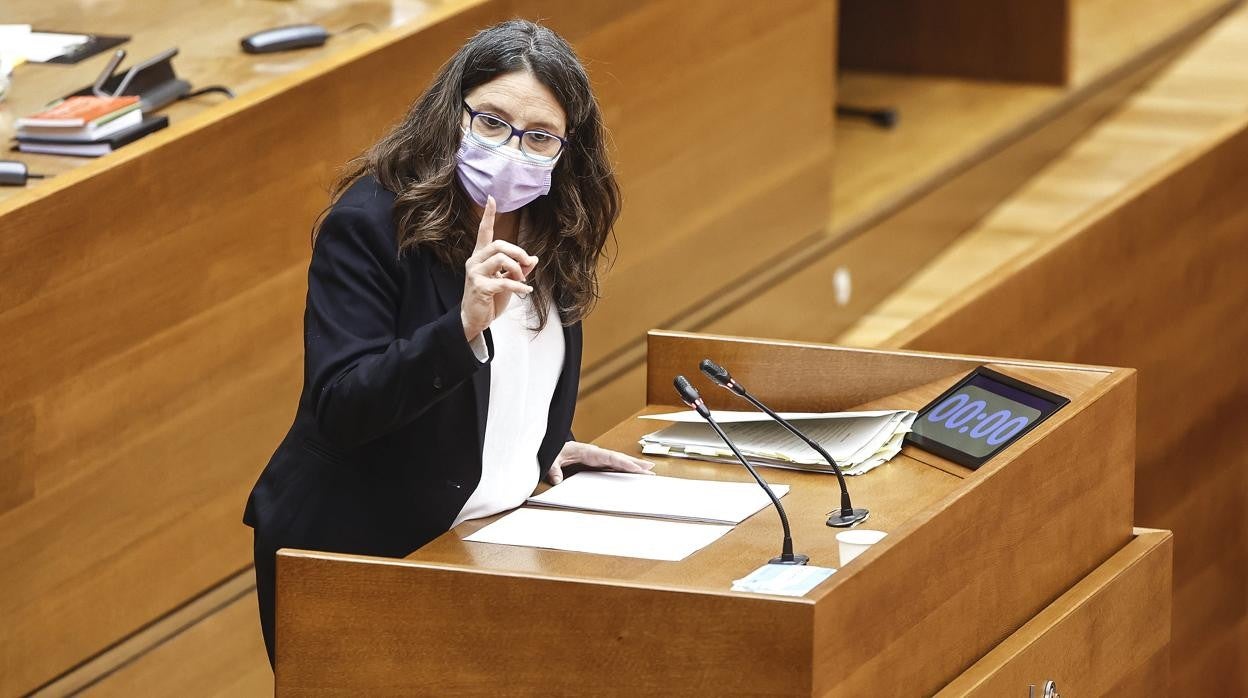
x=523 y=375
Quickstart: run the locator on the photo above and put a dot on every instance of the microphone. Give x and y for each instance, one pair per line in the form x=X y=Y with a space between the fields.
x=690 y=396
x=848 y=515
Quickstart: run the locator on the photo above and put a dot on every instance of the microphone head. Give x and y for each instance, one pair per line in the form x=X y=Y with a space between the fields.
x=715 y=372
x=688 y=393
x=690 y=396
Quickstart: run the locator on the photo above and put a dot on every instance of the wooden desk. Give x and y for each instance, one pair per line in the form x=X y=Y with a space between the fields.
x=970 y=557
x=206 y=35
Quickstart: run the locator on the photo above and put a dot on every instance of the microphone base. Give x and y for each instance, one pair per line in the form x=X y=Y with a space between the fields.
x=797 y=560
x=838 y=519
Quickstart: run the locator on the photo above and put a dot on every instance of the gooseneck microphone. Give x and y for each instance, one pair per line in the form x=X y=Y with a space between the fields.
x=690 y=396
x=847 y=515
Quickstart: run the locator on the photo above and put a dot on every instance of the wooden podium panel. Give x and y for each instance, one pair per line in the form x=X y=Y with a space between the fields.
x=1108 y=635
x=970 y=557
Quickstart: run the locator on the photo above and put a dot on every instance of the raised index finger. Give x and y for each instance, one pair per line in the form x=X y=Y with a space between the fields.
x=485 y=232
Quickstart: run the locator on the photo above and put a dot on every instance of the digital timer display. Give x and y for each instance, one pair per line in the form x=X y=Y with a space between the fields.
x=982 y=414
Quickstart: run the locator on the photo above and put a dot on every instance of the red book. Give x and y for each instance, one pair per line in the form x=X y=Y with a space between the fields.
x=77 y=112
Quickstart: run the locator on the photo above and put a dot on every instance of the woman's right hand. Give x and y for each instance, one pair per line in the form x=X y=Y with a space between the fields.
x=495 y=270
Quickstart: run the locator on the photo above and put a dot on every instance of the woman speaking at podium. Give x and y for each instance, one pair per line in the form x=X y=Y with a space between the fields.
x=442 y=333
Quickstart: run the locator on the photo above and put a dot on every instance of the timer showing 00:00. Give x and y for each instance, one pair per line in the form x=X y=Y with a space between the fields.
x=958 y=411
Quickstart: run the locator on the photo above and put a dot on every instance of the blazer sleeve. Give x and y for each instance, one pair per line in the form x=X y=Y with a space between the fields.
x=365 y=381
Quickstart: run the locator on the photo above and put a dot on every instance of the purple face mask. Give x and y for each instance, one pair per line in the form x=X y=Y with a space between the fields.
x=502 y=172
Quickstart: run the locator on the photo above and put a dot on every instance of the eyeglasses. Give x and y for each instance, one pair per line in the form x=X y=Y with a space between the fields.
x=491 y=130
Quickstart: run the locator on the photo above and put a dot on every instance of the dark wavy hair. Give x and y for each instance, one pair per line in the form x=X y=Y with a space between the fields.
x=416 y=160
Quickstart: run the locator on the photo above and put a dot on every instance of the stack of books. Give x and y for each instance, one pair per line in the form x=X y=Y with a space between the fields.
x=86 y=126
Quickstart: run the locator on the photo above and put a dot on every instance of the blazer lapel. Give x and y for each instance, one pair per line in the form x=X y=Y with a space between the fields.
x=449 y=286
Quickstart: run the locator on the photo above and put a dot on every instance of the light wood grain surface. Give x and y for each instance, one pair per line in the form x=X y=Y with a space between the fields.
x=1108 y=635
x=1104 y=32
x=978 y=174
x=705 y=171
x=211 y=647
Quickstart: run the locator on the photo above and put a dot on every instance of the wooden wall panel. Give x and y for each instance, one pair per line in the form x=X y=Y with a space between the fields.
x=889 y=221
x=604 y=407
x=883 y=255
x=900 y=197
x=1104 y=32
x=1155 y=281
x=1056 y=42
x=969 y=38
x=706 y=171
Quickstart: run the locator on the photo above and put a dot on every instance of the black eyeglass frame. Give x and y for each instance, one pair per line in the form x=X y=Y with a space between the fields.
x=515 y=133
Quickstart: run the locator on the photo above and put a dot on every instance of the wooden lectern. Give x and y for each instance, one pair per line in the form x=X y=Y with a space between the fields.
x=1024 y=571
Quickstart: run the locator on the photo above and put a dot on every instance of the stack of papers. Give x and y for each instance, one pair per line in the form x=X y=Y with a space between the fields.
x=687 y=515
x=18 y=42
x=674 y=498
x=859 y=441
x=579 y=532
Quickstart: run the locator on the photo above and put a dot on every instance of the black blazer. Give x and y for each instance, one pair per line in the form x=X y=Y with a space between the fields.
x=386 y=444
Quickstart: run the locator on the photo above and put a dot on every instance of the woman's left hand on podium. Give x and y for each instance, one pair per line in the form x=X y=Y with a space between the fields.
x=596 y=457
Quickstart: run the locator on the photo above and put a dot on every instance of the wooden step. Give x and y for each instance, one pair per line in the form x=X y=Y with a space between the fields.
x=210 y=646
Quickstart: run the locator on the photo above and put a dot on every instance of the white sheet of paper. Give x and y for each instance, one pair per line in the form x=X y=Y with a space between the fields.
x=654 y=495
x=13 y=39
x=579 y=532
x=43 y=46
x=18 y=41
